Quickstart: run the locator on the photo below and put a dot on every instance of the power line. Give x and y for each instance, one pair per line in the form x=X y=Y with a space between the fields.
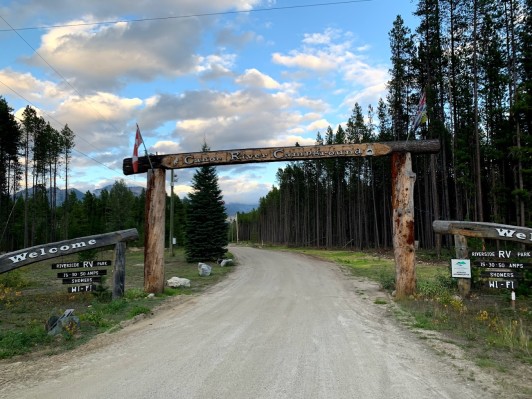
x=208 y=14
x=70 y=85
x=56 y=71
x=58 y=122
x=44 y=112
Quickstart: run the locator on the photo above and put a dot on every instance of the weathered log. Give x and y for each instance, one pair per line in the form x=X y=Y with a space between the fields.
x=279 y=154
x=403 y=179
x=154 y=232
x=38 y=253
x=484 y=230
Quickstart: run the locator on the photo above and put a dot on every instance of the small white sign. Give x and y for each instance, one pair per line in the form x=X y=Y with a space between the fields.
x=461 y=268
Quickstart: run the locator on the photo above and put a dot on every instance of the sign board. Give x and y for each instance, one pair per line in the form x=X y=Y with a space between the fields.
x=82 y=280
x=501 y=265
x=498 y=284
x=82 y=276
x=486 y=230
x=501 y=274
x=461 y=268
x=86 y=263
x=81 y=288
x=82 y=273
x=504 y=272
x=276 y=154
x=24 y=257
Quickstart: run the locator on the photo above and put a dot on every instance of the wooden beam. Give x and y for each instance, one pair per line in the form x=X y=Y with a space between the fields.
x=496 y=231
x=23 y=257
x=403 y=179
x=279 y=154
x=154 y=232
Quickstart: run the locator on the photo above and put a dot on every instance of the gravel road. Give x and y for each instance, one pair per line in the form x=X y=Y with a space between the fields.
x=281 y=326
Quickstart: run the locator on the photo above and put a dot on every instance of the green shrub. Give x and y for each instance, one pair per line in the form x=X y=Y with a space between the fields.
x=95 y=317
x=134 y=293
x=138 y=310
x=22 y=341
x=13 y=279
x=386 y=280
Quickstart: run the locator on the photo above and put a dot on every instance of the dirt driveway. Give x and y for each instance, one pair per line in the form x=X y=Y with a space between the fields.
x=281 y=326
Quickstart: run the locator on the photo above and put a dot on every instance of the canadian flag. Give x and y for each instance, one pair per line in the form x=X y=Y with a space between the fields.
x=135 y=158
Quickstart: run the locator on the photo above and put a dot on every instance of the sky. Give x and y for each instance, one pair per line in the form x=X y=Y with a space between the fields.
x=232 y=73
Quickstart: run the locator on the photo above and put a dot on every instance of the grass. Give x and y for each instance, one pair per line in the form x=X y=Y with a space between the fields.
x=485 y=324
x=29 y=296
x=494 y=335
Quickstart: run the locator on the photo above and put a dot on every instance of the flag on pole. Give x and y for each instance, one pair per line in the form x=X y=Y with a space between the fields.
x=135 y=158
x=421 y=114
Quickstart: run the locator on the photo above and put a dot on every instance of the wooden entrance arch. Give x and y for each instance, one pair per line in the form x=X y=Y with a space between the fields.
x=403 y=179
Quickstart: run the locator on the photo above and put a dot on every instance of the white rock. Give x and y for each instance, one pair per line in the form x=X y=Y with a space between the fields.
x=204 y=269
x=226 y=262
x=176 y=282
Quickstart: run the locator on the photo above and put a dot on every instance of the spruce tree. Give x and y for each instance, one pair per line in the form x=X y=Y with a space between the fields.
x=206 y=226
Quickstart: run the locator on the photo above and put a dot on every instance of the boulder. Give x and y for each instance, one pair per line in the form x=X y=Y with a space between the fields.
x=226 y=262
x=56 y=325
x=204 y=269
x=176 y=282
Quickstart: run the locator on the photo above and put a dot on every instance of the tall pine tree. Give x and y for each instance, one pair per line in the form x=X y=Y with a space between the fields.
x=206 y=226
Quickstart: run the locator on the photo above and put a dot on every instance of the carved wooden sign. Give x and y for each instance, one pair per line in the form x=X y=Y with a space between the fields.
x=38 y=253
x=484 y=230
x=490 y=268
x=278 y=154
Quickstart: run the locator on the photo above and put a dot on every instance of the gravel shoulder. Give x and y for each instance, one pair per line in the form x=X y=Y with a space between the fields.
x=280 y=326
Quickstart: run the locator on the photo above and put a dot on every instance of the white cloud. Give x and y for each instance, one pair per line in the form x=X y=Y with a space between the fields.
x=305 y=61
x=244 y=189
x=321 y=38
x=320 y=124
x=254 y=78
x=31 y=88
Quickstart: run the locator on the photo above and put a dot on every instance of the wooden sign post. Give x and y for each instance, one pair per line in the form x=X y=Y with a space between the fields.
x=462 y=229
x=402 y=180
x=154 y=232
x=24 y=257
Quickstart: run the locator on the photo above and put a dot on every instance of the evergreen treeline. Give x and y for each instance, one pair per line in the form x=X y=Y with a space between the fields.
x=206 y=228
x=473 y=60
x=34 y=157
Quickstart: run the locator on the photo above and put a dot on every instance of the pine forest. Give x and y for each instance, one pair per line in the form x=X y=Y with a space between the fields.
x=471 y=61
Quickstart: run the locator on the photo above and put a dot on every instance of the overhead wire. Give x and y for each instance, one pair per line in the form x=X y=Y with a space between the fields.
x=55 y=70
x=199 y=15
x=72 y=87
x=11 y=28
x=61 y=124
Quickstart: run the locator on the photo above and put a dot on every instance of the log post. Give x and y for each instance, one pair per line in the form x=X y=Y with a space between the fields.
x=403 y=179
x=461 y=251
x=119 y=270
x=154 y=232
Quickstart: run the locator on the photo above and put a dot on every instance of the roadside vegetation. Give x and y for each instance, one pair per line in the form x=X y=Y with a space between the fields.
x=31 y=295
x=494 y=334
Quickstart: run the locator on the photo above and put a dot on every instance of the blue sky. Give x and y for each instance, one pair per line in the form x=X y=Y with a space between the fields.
x=234 y=78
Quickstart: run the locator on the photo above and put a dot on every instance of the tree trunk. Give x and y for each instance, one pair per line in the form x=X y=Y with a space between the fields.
x=403 y=179
x=154 y=232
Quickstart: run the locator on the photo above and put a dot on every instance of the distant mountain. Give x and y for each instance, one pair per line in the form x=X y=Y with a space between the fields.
x=231 y=209
x=234 y=208
x=136 y=190
x=59 y=193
